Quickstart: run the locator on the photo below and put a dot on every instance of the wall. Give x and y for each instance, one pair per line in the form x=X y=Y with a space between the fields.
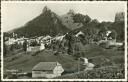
x=37 y=74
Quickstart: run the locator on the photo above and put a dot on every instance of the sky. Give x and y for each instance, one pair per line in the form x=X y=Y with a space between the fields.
x=16 y=14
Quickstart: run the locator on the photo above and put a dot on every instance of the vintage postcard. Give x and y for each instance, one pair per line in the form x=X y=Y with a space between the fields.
x=63 y=41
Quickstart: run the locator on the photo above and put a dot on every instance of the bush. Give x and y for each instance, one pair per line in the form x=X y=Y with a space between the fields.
x=101 y=73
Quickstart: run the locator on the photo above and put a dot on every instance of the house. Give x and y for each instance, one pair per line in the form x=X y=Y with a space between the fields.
x=46 y=40
x=33 y=45
x=59 y=38
x=20 y=41
x=33 y=48
x=85 y=60
x=42 y=46
x=90 y=66
x=36 y=48
x=79 y=33
x=114 y=43
x=47 y=70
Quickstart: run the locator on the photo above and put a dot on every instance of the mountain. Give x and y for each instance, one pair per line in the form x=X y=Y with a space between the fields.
x=68 y=21
x=47 y=23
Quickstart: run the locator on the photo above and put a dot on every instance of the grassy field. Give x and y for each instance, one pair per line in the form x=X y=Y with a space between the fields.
x=26 y=61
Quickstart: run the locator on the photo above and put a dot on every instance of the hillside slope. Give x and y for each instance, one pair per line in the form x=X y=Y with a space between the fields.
x=99 y=56
x=27 y=61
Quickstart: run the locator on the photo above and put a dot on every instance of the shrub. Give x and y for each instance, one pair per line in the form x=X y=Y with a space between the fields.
x=100 y=73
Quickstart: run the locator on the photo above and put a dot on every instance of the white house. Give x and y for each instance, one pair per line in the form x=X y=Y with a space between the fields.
x=108 y=33
x=47 y=70
x=114 y=43
x=79 y=33
x=90 y=66
x=85 y=60
x=42 y=46
x=35 y=48
x=46 y=40
x=20 y=41
x=59 y=38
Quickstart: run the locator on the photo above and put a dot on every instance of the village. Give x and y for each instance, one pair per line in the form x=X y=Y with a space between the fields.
x=55 y=69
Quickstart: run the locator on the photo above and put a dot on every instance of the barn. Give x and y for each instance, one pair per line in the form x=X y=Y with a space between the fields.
x=47 y=70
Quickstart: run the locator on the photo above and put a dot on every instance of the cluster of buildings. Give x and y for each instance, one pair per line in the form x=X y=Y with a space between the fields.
x=11 y=41
x=34 y=43
x=41 y=41
x=109 y=41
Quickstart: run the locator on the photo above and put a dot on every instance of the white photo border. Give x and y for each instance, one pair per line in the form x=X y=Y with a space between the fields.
x=93 y=2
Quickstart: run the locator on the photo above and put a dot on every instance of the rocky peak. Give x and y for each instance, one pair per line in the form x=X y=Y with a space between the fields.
x=71 y=11
x=45 y=9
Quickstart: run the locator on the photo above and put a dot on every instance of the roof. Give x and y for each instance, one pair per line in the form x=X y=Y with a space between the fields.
x=45 y=66
x=79 y=33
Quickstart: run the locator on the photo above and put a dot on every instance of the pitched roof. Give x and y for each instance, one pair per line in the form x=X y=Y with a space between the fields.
x=45 y=66
x=79 y=33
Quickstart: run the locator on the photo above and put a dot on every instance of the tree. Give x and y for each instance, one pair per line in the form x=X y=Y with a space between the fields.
x=12 y=47
x=95 y=21
x=87 y=19
x=119 y=29
x=79 y=18
x=78 y=49
x=25 y=45
x=5 y=49
x=70 y=43
x=113 y=34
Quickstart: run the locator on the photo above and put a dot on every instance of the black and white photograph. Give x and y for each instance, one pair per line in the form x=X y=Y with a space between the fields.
x=64 y=40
